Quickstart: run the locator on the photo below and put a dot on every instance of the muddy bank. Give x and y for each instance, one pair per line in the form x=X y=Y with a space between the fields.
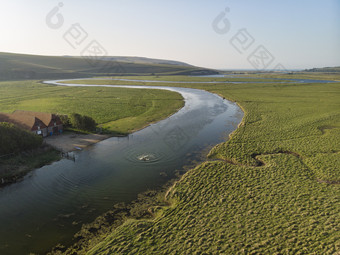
x=72 y=141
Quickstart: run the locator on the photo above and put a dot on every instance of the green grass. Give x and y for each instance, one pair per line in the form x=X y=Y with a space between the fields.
x=118 y=110
x=265 y=191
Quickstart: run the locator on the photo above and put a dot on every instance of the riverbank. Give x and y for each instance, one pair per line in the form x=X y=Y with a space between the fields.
x=147 y=206
x=73 y=141
x=15 y=167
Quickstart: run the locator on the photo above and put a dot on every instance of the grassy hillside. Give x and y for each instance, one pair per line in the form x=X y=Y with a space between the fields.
x=273 y=188
x=118 y=110
x=20 y=66
x=143 y=60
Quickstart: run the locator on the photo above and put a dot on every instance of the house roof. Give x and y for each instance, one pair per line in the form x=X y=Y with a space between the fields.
x=44 y=117
x=26 y=119
x=23 y=121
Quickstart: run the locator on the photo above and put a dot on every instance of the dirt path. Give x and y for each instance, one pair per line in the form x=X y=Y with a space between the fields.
x=69 y=142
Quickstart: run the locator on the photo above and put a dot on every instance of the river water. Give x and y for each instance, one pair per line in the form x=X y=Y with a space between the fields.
x=51 y=203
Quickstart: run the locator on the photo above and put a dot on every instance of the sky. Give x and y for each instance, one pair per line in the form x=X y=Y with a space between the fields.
x=234 y=34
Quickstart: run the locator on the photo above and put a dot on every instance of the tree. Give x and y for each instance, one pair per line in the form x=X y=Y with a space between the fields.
x=82 y=122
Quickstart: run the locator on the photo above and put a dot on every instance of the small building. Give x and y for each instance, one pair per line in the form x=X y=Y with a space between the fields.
x=40 y=123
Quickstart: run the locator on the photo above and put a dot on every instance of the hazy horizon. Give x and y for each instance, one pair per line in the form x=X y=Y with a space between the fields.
x=219 y=35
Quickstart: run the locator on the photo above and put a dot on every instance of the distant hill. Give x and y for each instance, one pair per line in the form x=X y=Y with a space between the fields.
x=143 y=60
x=23 y=66
x=335 y=69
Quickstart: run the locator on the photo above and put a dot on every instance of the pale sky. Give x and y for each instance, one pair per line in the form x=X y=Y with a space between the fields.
x=297 y=34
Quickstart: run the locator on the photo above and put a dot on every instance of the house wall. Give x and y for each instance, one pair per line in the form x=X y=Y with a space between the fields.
x=50 y=129
x=43 y=132
x=39 y=128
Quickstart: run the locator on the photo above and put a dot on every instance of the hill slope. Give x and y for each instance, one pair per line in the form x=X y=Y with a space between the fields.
x=143 y=60
x=22 y=66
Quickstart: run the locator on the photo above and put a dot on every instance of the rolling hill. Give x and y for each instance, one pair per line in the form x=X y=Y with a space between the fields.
x=143 y=60
x=23 y=66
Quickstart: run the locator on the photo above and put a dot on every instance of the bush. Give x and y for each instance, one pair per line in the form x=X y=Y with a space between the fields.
x=65 y=120
x=14 y=139
x=82 y=122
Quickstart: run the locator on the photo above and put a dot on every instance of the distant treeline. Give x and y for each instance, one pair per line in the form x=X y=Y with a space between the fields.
x=14 y=139
x=335 y=69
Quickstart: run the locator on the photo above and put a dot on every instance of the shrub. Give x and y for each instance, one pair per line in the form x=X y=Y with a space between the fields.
x=82 y=122
x=14 y=139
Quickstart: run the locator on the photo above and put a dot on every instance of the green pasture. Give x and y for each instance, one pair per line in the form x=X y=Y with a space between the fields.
x=117 y=110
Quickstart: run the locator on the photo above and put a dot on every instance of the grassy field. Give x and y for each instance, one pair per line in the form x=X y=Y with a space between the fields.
x=117 y=110
x=273 y=188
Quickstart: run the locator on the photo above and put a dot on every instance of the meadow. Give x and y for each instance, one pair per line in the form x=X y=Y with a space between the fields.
x=117 y=110
x=272 y=188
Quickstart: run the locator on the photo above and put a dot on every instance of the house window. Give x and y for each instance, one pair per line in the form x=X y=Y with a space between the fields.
x=55 y=123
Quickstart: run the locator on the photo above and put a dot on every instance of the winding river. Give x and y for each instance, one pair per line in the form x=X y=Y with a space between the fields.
x=51 y=203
